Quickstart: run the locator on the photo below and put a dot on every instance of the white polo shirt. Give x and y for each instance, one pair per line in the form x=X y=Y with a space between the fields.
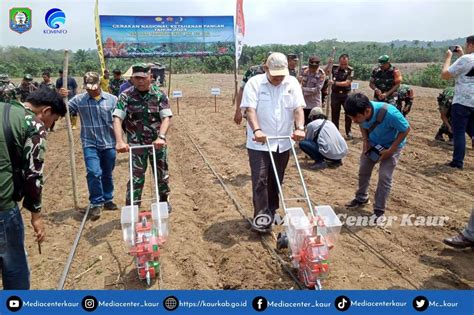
x=275 y=106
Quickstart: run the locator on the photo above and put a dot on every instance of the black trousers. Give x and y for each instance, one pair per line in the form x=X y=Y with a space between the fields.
x=337 y=100
x=264 y=186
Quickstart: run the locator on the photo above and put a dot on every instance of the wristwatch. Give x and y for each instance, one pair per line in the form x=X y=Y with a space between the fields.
x=300 y=128
x=162 y=137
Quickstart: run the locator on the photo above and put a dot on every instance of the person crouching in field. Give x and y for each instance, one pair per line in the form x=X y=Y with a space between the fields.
x=95 y=108
x=323 y=141
x=384 y=131
x=274 y=103
x=22 y=151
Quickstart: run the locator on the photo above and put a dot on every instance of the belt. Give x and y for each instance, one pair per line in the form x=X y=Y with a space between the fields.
x=341 y=92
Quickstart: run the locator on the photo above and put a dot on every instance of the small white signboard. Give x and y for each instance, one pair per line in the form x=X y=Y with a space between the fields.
x=177 y=94
x=215 y=91
x=354 y=86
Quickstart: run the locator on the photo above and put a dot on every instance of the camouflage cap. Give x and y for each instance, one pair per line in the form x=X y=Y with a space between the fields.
x=28 y=77
x=4 y=77
x=91 y=81
x=384 y=59
x=140 y=70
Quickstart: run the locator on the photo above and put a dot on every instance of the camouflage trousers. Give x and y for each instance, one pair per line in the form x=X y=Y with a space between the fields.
x=392 y=99
x=444 y=130
x=140 y=159
x=404 y=109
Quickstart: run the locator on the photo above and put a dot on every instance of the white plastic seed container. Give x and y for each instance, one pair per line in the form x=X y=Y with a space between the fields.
x=299 y=227
x=160 y=210
x=127 y=217
x=329 y=225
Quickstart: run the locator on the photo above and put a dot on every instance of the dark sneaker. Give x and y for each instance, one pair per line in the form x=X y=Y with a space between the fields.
x=439 y=137
x=357 y=204
x=95 y=212
x=454 y=165
x=335 y=164
x=450 y=141
x=349 y=136
x=458 y=241
x=165 y=199
x=110 y=205
x=262 y=223
x=319 y=165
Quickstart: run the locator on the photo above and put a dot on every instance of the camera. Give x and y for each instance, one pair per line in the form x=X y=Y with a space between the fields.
x=453 y=48
x=374 y=152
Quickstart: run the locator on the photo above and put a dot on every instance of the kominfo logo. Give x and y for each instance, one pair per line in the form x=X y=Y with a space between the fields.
x=55 y=18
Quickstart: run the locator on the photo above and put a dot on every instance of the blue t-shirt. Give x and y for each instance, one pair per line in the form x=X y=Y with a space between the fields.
x=387 y=131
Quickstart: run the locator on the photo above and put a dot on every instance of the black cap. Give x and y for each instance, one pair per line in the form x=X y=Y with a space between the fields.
x=292 y=56
x=314 y=61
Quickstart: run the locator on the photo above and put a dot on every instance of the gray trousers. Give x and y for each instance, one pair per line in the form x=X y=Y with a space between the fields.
x=469 y=230
x=264 y=186
x=384 y=184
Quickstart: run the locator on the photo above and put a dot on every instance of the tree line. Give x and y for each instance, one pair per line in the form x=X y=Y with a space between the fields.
x=16 y=61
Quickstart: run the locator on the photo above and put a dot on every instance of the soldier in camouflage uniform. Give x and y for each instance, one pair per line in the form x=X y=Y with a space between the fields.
x=405 y=95
x=47 y=82
x=252 y=71
x=146 y=115
x=26 y=87
x=28 y=127
x=7 y=89
x=116 y=82
x=385 y=81
x=445 y=101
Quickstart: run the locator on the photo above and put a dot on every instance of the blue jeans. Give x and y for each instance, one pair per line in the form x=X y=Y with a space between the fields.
x=100 y=165
x=463 y=121
x=15 y=271
x=312 y=149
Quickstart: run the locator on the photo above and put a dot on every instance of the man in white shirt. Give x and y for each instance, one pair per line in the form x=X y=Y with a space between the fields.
x=462 y=111
x=274 y=105
x=323 y=141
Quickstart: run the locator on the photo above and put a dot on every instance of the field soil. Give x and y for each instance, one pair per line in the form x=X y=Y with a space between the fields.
x=211 y=246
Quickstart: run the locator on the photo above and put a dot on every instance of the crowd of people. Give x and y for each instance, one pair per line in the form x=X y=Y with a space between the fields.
x=279 y=101
x=139 y=110
x=276 y=99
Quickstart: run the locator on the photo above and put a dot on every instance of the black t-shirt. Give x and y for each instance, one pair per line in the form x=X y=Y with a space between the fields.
x=71 y=85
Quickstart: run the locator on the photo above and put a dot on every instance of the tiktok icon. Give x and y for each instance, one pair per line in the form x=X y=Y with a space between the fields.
x=342 y=303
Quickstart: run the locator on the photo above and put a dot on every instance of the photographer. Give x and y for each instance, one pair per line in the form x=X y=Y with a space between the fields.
x=384 y=131
x=323 y=142
x=462 y=111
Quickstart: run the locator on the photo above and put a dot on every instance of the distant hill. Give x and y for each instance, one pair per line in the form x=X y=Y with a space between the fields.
x=426 y=44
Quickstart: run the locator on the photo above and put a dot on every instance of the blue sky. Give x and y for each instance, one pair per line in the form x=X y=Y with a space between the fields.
x=267 y=21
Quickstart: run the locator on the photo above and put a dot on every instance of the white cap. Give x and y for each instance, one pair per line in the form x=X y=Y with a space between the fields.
x=316 y=111
x=277 y=64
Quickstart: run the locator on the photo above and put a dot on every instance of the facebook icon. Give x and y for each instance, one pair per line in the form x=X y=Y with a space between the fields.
x=260 y=303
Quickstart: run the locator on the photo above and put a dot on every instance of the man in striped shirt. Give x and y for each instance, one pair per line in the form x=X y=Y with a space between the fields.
x=95 y=108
